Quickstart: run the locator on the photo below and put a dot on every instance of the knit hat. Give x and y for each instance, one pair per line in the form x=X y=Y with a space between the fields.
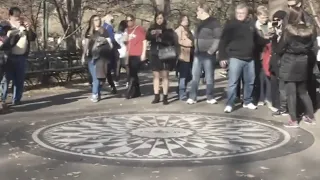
x=279 y=14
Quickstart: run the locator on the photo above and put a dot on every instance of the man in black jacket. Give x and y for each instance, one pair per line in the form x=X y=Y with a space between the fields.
x=237 y=45
x=6 y=43
x=207 y=37
x=18 y=55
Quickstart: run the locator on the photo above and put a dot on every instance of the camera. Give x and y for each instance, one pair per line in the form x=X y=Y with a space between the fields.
x=275 y=23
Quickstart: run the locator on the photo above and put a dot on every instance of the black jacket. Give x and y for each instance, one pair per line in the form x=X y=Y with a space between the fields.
x=238 y=40
x=166 y=38
x=275 y=57
x=6 y=44
x=294 y=47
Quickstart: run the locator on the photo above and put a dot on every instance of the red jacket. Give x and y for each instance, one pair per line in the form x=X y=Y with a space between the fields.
x=266 y=55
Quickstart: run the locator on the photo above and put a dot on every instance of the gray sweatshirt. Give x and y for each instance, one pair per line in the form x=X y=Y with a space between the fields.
x=207 y=36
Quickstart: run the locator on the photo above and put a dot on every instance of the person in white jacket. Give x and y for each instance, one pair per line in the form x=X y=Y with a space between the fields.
x=119 y=37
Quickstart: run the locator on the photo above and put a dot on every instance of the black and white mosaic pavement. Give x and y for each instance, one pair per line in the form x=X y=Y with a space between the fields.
x=165 y=138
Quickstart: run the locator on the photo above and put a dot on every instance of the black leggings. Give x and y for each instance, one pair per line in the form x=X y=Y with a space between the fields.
x=294 y=89
x=121 y=64
x=110 y=79
x=117 y=71
x=134 y=85
x=278 y=94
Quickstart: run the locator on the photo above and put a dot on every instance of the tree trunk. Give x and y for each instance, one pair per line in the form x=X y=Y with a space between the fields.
x=313 y=6
x=74 y=21
x=163 y=6
x=276 y=5
x=70 y=18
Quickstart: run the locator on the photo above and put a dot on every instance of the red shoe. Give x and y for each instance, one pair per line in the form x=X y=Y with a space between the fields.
x=291 y=124
x=308 y=120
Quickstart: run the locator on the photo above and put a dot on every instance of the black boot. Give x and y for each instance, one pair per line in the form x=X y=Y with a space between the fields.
x=156 y=99
x=130 y=89
x=114 y=90
x=165 y=100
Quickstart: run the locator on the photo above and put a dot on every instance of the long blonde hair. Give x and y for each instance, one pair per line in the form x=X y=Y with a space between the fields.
x=91 y=27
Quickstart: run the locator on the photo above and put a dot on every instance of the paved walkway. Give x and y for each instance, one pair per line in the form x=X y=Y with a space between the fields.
x=60 y=134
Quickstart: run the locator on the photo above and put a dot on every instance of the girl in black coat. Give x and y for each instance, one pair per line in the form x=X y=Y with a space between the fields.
x=159 y=37
x=294 y=46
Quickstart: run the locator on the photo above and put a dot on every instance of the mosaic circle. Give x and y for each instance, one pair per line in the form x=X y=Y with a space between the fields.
x=161 y=137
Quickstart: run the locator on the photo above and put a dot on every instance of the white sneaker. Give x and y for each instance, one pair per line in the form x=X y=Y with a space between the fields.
x=127 y=85
x=273 y=109
x=94 y=98
x=261 y=103
x=212 y=101
x=116 y=84
x=250 y=106
x=228 y=109
x=191 y=101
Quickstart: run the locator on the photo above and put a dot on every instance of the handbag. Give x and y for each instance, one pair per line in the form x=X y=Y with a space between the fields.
x=100 y=46
x=167 y=53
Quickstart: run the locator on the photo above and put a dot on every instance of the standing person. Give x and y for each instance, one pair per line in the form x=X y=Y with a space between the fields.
x=185 y=41
x=136 y=47
x=98 y=50
x=18 y=56
x=207 y=37
x=278 y=94
x=313 y=68
x=108 y=25
x=294 y=47
x=161 y=37
x=119 y=37
x=237 y=32
x=6 y=44
x=262 y=26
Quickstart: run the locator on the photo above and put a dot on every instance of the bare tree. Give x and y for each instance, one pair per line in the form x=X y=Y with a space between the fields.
x=31 y=10
x=315 y=10
x=69 y=14
x=275 y=5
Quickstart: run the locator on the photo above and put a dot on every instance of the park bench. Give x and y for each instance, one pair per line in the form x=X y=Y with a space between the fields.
x=61 y=65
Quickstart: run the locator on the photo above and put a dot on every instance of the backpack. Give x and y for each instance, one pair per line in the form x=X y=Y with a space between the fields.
x=266 y=56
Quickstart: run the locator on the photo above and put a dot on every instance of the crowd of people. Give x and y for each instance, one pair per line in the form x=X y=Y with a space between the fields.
x=272 y=62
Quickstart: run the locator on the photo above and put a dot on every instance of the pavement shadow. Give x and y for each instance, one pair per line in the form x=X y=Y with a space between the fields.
x=45 y=102
x=67 y=98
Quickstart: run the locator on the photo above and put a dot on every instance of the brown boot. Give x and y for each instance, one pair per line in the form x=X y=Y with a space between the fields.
x=3 y=107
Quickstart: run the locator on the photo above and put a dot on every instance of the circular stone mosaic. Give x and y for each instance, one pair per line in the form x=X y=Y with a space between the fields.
x=161 y=137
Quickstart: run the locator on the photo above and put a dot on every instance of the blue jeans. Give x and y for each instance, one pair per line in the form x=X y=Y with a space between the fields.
x=237 y=68
x=96 y=83
x=184 y=69
x=15 y=72
x=201 y=62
